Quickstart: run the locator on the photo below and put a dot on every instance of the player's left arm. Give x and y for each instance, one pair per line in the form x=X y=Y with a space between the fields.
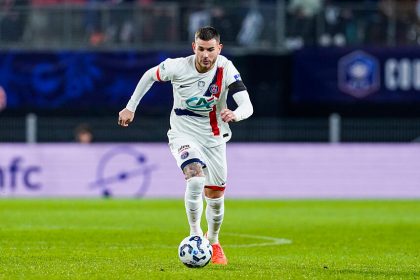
x=237 y=89
x=242 y=112
x=241 y=97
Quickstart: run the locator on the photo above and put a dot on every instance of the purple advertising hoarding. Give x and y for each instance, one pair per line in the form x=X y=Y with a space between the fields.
x=255 y=171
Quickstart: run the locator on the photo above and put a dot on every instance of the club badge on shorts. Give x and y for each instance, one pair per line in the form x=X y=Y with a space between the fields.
x=184 y=155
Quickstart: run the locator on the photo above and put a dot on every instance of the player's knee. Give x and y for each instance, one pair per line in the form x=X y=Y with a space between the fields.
x=195 y=186
x=209 y=193
x=194 y=169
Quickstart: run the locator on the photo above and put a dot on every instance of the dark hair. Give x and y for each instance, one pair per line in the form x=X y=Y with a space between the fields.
x=83 y=129
x=207 y=33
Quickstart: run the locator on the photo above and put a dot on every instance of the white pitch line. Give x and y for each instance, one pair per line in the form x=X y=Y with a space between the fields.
x=273 y=241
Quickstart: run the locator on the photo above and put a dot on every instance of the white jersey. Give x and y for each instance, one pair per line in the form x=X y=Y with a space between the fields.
x=198 y=98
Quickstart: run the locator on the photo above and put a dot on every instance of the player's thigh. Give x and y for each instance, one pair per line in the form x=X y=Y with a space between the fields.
x=216 y=166
x=188 y=157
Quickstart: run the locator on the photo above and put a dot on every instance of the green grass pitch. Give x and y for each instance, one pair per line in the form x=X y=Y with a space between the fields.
x=138 y=239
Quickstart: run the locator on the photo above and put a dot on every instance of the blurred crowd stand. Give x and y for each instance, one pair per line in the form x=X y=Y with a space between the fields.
x=357 y=22
x=86 y=22
x=130 y=22
x=247 y=24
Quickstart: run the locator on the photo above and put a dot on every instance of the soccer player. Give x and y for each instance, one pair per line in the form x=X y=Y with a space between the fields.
x=199 y=126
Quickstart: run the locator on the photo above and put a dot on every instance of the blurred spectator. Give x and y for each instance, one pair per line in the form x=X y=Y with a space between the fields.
x=417 y=23
x=414 y=32
x=110 y=21
x=83 y=134
x=3 y=99
x=215 y=16
x=164 y=23
x=335 y=22
x=223 y=21
x=374 y=23
x=44 y=24
x=95 y=30
x=302 y=18
x=196 y=20
x=12 y=19
x=121 y=27
x=402 y=14
x=154 y=21
x=252 y=27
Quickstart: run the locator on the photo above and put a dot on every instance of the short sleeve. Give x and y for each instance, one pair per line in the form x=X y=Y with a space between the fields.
x=165 y=70
x=232 y=74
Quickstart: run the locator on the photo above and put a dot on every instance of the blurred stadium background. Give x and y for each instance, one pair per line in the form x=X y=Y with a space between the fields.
x=336 y=93
x=318 y=71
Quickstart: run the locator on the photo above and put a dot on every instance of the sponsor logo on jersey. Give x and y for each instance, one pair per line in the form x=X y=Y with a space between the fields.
x=237 y=77
x=200 y=104
x=183 y=147
x=213 y=89
x=184 y=86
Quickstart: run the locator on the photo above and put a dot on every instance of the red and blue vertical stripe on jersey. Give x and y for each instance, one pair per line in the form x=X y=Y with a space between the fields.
x=214 y=90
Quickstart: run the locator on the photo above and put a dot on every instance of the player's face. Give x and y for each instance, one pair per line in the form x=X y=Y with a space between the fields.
x=206 y=53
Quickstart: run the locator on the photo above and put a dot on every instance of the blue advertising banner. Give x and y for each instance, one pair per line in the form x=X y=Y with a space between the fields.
x=356 y=76
x=79 y=81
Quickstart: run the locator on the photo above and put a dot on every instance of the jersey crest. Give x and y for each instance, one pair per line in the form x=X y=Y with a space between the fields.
x=213 y=89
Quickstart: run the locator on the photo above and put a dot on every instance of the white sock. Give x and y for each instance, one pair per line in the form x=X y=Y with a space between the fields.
x=215 y=211
x=194 y=203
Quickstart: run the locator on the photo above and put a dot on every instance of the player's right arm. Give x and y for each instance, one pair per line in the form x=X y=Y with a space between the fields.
x=126 y=115
x=158 y=73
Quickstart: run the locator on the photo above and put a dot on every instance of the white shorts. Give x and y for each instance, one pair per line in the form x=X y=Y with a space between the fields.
x=213 y=160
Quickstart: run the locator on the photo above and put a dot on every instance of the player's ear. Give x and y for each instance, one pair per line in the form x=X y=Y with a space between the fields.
x=220 y=47
x=193 y=46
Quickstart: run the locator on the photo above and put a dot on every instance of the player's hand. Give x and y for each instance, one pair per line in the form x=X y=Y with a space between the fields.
x=227 y=115
x=125 y=117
